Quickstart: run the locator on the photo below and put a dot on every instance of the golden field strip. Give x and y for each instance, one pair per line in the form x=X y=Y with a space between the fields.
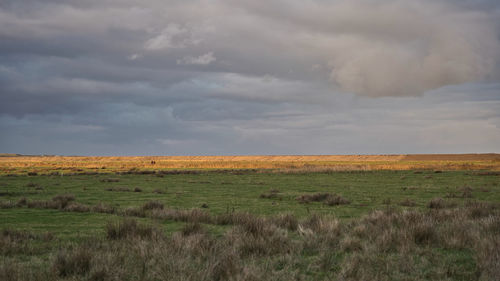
x=284 y=163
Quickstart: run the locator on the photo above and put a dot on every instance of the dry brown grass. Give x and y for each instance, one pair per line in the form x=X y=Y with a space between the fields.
x=62 y=165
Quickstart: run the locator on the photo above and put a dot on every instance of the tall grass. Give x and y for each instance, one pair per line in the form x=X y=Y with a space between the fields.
x=459 y=243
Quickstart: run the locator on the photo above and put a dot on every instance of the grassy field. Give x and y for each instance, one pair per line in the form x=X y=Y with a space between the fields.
x=81 y=219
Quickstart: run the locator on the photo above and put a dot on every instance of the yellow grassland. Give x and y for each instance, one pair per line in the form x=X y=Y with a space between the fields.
x=285 y=163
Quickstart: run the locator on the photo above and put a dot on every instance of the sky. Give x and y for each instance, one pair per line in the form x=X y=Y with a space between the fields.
x=240 y=77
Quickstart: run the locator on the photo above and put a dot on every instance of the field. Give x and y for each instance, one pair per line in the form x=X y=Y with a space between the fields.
x=392 y=217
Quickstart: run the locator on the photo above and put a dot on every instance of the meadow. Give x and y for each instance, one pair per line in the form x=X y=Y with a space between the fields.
x=250 y=218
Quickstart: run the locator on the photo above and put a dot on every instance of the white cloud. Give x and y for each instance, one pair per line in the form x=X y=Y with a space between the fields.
x=200 y=60
x=135 y=56
x=173 y=36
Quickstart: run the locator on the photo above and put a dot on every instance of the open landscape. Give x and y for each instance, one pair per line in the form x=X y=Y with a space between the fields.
x=392 y=217
x=243 y=140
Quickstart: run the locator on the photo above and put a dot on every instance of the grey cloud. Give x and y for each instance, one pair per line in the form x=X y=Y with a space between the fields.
x=366 y=47
x=240 y=76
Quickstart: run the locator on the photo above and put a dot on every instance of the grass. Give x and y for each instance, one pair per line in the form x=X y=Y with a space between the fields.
x=251 y=225
x=442 y=244
x=242 y=192
x=57 y=165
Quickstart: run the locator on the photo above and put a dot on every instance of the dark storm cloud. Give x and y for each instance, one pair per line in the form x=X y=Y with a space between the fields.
x=238 y=76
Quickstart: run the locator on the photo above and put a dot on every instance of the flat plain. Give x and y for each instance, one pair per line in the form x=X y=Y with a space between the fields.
x=384 y=217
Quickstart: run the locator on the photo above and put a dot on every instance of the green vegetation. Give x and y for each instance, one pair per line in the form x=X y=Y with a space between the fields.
x=251 y=225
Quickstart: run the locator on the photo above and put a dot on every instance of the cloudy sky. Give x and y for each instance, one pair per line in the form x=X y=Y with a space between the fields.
x=206 y=77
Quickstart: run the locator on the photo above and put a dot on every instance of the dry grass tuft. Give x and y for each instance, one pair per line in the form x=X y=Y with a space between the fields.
x=316 y=197
x=63 y=199
x=269 y=195
x=158 y=191
x=119 y=189
x=110 y=180
x=131 y=229
x=22 y=202
x=77 y=207
x=7 y=205
x=408 y=203
x=335 y=199
x=103 y=208
x=192 y=228
x=440 y=203
x=440 y=244
x=133 y=212
x=286 y=221
x=151 y=205
x=70 y=263
x=328 y=199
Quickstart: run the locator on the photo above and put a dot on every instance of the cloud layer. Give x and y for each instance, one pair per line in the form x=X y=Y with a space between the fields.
x=240 y=76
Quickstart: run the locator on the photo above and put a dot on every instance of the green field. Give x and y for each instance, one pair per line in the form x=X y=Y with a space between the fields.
x=46 y=232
